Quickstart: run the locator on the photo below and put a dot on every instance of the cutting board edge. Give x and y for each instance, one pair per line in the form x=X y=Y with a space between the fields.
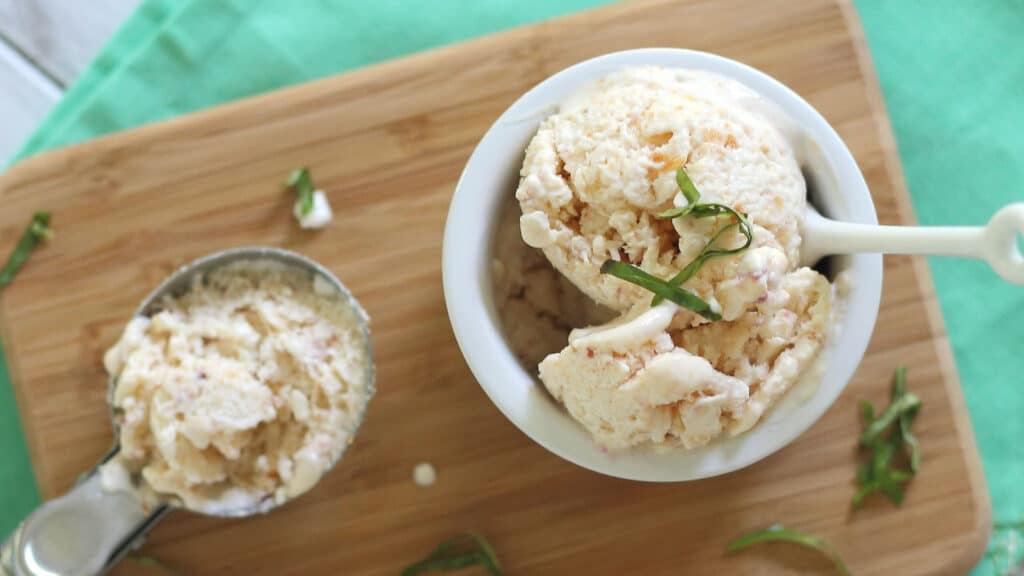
x=894 y=167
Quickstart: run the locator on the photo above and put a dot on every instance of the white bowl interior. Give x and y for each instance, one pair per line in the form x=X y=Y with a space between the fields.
x=490 y=177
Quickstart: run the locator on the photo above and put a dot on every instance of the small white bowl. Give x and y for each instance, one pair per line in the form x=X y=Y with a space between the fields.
x=490 y=177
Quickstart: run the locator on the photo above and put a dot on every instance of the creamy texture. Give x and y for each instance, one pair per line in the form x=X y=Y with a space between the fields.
x=629 y=384
x=597 y=172
x=538 y=306
x=770 y=345
x=241 y=392
x=594 y=176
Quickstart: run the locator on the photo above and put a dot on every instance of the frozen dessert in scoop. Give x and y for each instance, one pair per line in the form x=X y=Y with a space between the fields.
x=241 y=392
x=596 y=183
x=599 y=171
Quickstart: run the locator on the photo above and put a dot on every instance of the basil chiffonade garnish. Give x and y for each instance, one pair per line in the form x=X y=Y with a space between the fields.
x=671 y=289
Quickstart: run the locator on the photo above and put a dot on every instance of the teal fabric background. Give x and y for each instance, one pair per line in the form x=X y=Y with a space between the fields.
x=951 y=72
x=953 y=78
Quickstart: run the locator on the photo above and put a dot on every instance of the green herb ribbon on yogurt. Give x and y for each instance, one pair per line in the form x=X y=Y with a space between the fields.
x=469 y=549
x=38 y=229
x=878 y=474
x=779 y=533
x=302 y=183
x=670 y=289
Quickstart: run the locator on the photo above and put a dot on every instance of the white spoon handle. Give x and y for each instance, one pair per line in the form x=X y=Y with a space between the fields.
x=995 y=242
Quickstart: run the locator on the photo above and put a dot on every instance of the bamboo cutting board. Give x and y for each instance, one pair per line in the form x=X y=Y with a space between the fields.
x=388 y=144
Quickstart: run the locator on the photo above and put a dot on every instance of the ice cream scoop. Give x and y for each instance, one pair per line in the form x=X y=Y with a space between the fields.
x=599 y=171
x=89 y=529
x=998 y=242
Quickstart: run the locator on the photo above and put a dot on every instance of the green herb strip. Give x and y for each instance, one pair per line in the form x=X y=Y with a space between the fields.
x=708 y=210
x=661 y=288
x=470 y=549
x=899 y=407
x=689 y=192
x=302 y=183
x=38 y=229
x=886 y=436
x=906 y=418
x=779 y=533
x=664 y=290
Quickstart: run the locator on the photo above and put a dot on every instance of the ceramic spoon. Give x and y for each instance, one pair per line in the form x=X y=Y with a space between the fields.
x=996 y=242
x=89 y=529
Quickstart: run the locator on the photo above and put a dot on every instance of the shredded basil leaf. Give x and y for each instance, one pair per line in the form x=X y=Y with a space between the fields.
x=906 y=418
x=670 y=289
x=469 y=549
x=900 y=406
x=661 y=288
x=38 y=229
x=779 y=533
x=885 y=437
x=709 y=252
x=302 y=183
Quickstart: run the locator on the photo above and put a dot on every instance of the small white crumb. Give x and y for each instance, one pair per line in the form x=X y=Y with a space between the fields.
x=714 y=305
x=323 y=286
x=114 y=477
x=424 y=474
x=319 y=216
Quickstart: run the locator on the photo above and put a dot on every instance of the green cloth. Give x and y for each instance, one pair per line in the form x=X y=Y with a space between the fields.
x=950 y=72
x=953 y=81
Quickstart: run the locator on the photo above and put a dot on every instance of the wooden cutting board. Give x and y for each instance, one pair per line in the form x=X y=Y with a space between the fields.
x=388 y=144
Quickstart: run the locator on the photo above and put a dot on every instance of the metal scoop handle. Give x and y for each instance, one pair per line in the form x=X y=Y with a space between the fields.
x=82 y=533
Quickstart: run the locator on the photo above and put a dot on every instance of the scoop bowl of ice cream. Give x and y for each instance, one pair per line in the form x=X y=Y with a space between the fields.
x=574 y=174
x=240 y=382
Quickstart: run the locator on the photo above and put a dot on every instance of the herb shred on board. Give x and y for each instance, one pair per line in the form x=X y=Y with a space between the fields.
x=38 y=230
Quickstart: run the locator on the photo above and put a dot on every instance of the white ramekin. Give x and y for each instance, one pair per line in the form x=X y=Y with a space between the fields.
x=490 y=177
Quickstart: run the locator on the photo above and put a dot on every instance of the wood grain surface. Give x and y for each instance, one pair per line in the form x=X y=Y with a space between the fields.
x=388 y=144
